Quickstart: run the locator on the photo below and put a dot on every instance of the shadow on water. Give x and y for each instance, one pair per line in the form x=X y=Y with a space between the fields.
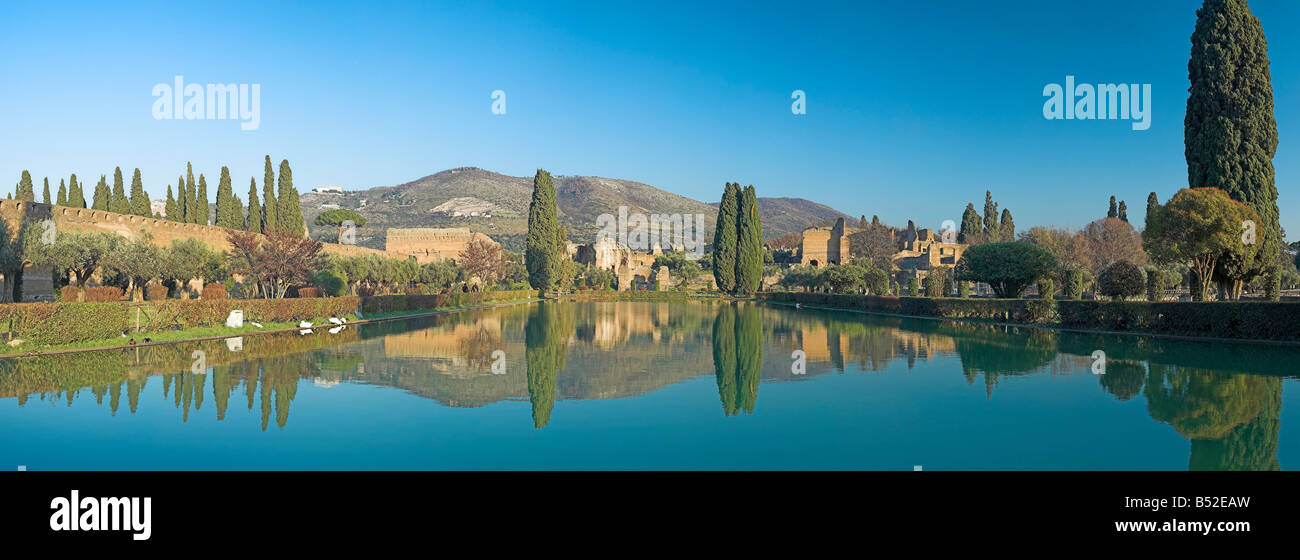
x=1226 y=399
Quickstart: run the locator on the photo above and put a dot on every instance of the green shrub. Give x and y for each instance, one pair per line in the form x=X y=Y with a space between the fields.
x=332 y=283
x=1072 y=283
x=963 y=289
x=913 y=287
x=1121 y=280
x=1156 y=284
x=59 y=323
x=1045 y=288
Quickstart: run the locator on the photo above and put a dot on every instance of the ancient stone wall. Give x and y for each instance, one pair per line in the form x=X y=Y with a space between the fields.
x=430 y=244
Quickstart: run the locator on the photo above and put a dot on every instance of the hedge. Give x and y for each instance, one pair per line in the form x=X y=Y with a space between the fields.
x=1253 y=320
x=70 y=322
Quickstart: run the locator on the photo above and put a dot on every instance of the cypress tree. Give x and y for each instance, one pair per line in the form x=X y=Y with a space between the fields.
x=287 y=210
x=182 y=202
x=1114 y=210
x=1008 y=227
x=970 y=225
x=1152 y=204
x=236 y=217
x=254 y=222
x=102 y=199
x=1123 y=211
x=201 y=202
x=724 y=239
x=862 y=222
x=1229 y=130
x=62 y=200
x=171 y=208
x=269 y=219
x=226 y=202
x=76 y=198
x=875 y=220
x=749 y=244
x=46 y=195
x=191 y=202
x=119 y=203
x=25 y=191
x=543 y=223
x=990 y=217
x=139 y=200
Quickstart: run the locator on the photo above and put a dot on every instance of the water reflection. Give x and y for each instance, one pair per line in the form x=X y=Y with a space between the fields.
x=1225 y=399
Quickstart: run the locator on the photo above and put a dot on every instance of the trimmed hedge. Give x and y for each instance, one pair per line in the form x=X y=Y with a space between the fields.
x=627 y=295
x=63 y=322
x=1253 y=320
x=1257 y=320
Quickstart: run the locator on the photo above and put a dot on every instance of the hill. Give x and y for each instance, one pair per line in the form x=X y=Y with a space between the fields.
x=497 y=205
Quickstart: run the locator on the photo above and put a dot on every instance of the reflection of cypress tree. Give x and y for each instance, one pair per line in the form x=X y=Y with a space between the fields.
x=738 y=357
x=1124 y=380
x=133 y=388
x=724 y=357
x=250 y=383
x=185 y=391
x=547 y=336
x=1249 y=447
x=265 y=394
x=221 y=388
x=167 y=383
x=115 y=390
x=749 y=355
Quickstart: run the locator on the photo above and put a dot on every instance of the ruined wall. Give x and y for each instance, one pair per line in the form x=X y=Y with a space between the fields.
x=430 y=244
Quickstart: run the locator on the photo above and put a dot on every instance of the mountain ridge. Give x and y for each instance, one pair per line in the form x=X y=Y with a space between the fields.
x=497 y=205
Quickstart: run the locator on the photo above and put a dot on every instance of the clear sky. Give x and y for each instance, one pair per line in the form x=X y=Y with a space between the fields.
x=913 y=108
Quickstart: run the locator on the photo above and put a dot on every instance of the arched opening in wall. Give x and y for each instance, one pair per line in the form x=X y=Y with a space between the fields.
x=814 y=263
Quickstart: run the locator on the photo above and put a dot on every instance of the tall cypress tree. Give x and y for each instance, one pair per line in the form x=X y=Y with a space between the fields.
x=62 y=200
x=749 y=244
x=724 y=239
x=543 y=223
x=990 y=217
x=287 y=210
x=46 y=195
x=226 y=201
x=119 y=203
x=190 y=200
x=139 y=199
x=254 y=222
x=1113 y=212
x=270 y=221
x=103 y=197
x=76 y=198
x=1152 y=204
x=1008 y=227
x=25 y=190
x=1123 y=211
x=171 y=208
x=970 y=225
x=201 y=202
x=1229 y=131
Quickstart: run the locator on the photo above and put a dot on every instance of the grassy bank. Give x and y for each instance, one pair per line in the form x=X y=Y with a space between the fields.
x=1243 y=320
x=54 y=327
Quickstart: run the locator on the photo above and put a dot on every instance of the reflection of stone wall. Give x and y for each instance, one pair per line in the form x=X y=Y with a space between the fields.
x=431 y=244
x=37 y=285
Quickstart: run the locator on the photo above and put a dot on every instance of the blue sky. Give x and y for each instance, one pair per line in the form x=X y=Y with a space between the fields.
x=913 y=109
